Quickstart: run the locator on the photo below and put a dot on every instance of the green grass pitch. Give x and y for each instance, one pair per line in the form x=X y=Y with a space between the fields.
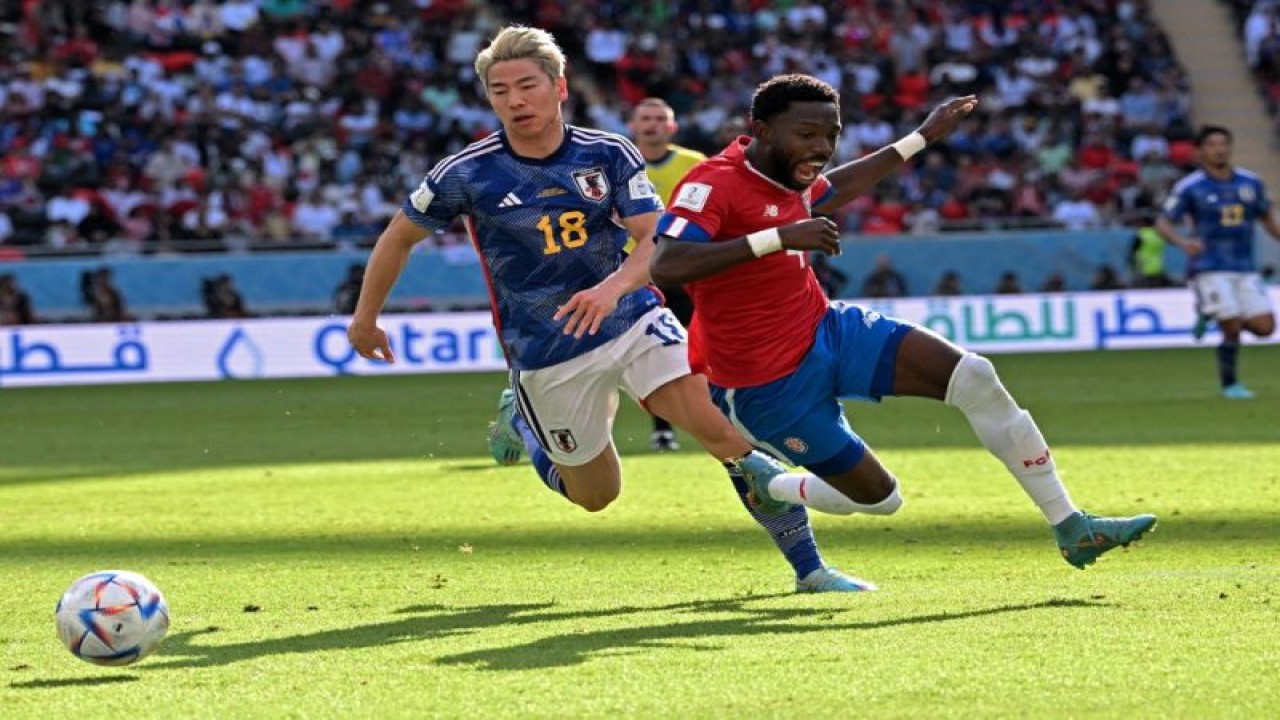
x=345 y=548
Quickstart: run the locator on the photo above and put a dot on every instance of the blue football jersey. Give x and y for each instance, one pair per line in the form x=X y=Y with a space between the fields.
x=1224 y=213
x=545 y=229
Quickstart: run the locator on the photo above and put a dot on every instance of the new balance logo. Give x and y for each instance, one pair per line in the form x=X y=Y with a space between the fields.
x=509 y=201
x=771 y=211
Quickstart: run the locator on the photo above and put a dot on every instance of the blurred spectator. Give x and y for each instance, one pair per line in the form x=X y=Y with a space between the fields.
x=348 y=291
x=15 y=303
x=1054 y=283
x=831 y=278
x=161 y=101
x=948 y=284
x=106 y=302
x=205 y=220
x=885 y=280
x=887 y=215
x=68 y=206
x=1106 y=278
x=6 y=227
x=1008 y=284
x=923 y=220
x=222 y=299
x=98 y=227
x=351 y=232
x=315 y=219
x=1076 y=212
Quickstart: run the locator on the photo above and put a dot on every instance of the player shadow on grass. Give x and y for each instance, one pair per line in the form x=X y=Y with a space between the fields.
x=577 y=648
x=426 y=622
x=72 y=682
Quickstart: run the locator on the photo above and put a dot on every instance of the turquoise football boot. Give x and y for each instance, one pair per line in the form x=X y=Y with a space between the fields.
x=1084 y=537
x=829 y=579
x=757 y=470
x=1236 y=391
x=505 y=444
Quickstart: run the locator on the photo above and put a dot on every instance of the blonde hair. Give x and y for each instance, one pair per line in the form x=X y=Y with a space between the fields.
x=517 y=42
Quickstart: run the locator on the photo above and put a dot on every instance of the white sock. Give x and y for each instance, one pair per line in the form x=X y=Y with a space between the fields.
x=814 y=492
x=1009 y=433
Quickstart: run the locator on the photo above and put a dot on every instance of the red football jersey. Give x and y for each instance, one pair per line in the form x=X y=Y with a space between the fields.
x=754 y=322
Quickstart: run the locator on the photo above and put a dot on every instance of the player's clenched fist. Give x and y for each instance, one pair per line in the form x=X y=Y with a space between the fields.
x=813 y=234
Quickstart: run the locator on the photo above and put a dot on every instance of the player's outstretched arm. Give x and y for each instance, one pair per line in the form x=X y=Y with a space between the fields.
x=854 y=179
x=386 y=262
x=676 y=262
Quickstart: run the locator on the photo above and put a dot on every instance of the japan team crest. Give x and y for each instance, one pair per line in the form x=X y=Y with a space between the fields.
x=564 y=440
x=592 y=183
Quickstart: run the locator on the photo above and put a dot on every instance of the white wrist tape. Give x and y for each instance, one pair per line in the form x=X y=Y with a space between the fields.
x=764 y=242
x=910 y=145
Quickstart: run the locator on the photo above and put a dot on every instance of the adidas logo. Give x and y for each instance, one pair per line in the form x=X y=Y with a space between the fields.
x=509 y=201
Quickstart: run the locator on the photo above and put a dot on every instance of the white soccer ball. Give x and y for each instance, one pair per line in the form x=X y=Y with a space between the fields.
x=113 y=617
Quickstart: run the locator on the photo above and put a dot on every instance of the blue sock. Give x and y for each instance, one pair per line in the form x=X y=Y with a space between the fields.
x=1227 y=353
x=790 y=531
x=541 y=461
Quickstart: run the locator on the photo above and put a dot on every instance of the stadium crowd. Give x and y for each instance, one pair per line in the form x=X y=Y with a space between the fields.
x=1258 y=22
x=151 y=125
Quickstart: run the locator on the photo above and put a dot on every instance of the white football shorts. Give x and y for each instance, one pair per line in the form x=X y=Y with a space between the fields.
x=571 y=405
x=1227 y=295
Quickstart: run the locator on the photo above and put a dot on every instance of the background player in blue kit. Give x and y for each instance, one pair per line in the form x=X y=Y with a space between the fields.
x=1223 y=202
x=549 y=207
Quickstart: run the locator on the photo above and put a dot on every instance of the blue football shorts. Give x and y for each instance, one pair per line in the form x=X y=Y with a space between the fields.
x=799 y=417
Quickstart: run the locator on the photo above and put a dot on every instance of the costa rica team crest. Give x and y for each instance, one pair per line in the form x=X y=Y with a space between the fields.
x=564 y=440
x=592 y=183
x=796 y=445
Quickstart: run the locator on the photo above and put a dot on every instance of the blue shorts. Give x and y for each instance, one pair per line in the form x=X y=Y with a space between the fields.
x=799 y=417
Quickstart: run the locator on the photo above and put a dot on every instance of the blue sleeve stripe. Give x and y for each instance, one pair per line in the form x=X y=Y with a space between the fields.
x=681 y=229
x=595 y=137
x=488 y=145
x=831 y=190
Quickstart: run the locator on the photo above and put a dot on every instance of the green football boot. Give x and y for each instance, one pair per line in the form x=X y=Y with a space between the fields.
x=505 y=444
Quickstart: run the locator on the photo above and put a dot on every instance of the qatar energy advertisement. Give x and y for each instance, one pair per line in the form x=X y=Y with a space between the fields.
x=466 y=342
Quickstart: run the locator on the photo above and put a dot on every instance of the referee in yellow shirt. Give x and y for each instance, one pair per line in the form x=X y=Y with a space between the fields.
x=653 y=124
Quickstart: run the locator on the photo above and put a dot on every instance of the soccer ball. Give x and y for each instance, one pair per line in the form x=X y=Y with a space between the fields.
x=113 y=617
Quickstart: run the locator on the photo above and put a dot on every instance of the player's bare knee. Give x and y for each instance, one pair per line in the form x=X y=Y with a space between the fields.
x=593 y=500
x=594 y=504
